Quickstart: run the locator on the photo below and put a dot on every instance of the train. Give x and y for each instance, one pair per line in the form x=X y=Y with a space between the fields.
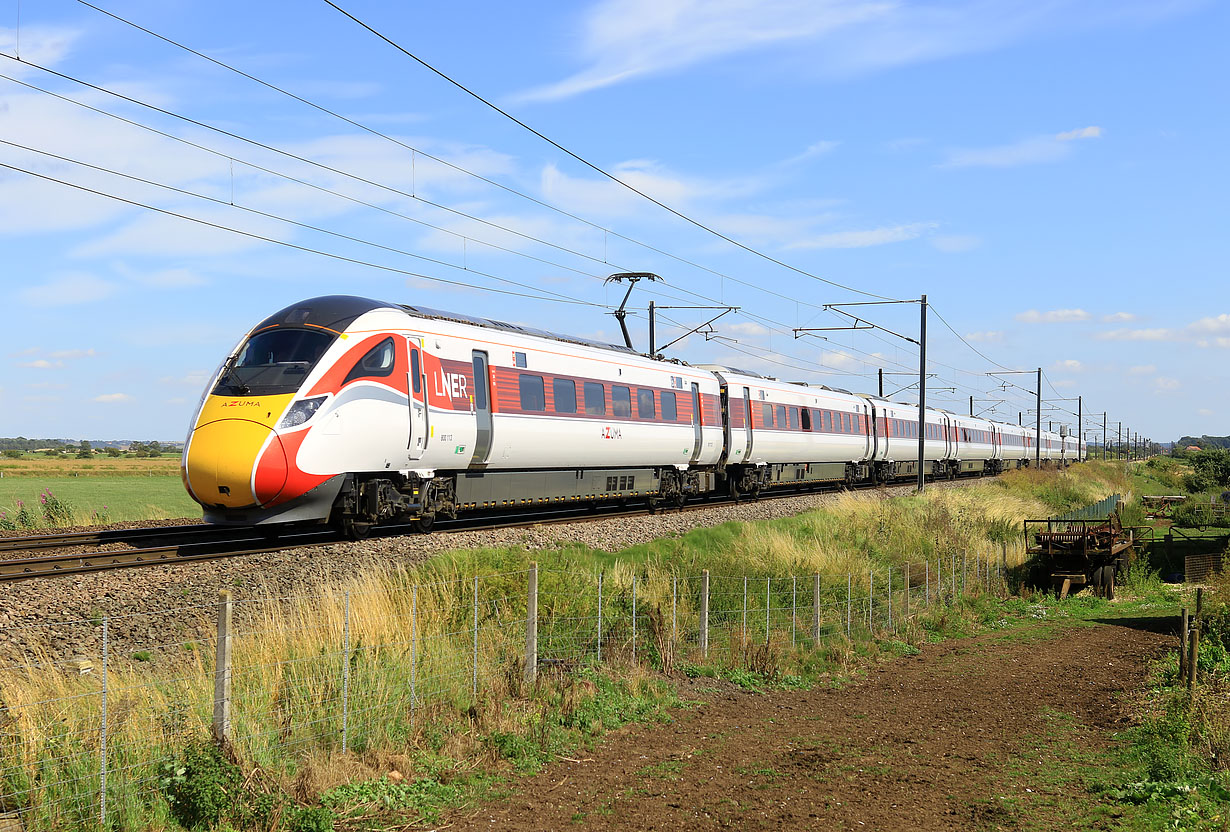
x=355 y=412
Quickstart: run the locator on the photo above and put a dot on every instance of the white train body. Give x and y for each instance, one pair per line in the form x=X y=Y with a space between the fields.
x=362 y=412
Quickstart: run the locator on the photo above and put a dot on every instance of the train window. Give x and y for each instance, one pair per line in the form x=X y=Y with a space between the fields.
x=794 y=418
x=519 y=359
x=595 y=399
x=766 y=415
x=806 y=416
x=669 y=411
x=416 y=371
x=564 y=391
x=621 y=402
x=845 y=423
x=377 y=363
x=644 y=404
x=533 y=394
x=781 y=416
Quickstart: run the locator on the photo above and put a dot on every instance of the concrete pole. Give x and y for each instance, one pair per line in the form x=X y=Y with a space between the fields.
x=531 y=626
x=704 y=613
x=222 y=670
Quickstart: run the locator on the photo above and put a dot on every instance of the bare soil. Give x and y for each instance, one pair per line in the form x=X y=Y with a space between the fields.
x=1008 y=730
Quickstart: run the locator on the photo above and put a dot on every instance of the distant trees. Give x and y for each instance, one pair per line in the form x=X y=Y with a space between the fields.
x=86 y=451
x=1210 y=469
x=113 y=451
x=12 y=453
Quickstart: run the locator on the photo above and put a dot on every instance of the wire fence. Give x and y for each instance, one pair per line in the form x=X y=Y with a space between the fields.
x=93 y=712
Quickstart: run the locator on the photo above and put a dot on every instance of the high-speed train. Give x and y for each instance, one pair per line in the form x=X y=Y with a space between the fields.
x=355 y=412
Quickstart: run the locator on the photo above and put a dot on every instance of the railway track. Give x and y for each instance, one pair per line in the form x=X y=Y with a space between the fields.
x=167 y=545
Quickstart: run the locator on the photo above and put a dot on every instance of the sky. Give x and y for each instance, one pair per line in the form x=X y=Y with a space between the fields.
x=1051 y=175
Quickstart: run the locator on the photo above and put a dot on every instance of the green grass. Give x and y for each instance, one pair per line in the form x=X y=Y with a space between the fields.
x=102 y=499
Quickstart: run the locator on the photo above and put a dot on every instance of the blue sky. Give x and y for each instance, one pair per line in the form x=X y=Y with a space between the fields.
x=1052 y=175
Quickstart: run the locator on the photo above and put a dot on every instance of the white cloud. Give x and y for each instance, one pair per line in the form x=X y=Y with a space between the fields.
x=45 y=45
x=169 y=279
x=1204 y=411
x=1135 y=335
x=1143 y=369
x=1070 y=365
x=1033 y=316
x=863 y=239
x=73 y=354
x=111 y=398
x=68 y=289
x=618 y=41
x=955 y=243
x=41 y=364
x=744 y=328
x=1215 y=324
x=840 y=359
x=1064 y=382
x=1081 y=133
x=986 y=336
x=1035 y=150
x=1119 y=318
x=1166 y=384
x=818 y=149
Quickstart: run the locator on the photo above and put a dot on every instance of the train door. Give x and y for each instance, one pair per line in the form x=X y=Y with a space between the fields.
x=482 y=409
x=873 y=431
x=747 y=421
x=696 y=426
x=416 y=385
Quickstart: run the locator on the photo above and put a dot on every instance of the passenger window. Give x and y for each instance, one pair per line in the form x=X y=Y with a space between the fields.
x=376 y=364
x=781 y=416
x=644 y=404
x=794 y=418
x=669 y=412
x=845 y=423
x=766 y=415
x=416 y=371
x=533 y=394
x=621 y=402
x=565 y=392
x=595 y=399
x=806 y=414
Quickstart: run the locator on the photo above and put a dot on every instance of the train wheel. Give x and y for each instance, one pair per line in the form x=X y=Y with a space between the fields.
x=355 y=529
x=423 y=524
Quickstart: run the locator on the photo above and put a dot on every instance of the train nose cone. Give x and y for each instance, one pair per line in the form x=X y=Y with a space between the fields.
x=235 y=463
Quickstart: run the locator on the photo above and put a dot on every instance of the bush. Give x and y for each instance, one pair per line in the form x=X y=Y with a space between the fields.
x=57 y=511
x=199 y=786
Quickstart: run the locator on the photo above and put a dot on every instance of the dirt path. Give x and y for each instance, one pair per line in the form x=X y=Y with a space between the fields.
x=1002 y=731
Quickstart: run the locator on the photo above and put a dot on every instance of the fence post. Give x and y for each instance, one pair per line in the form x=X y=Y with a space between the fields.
x=634 y=619
x=1193 y=656
x=414 y=639
x=474 y=658
x=939 y=580
x=954 y=577
x=815 y=606
x=102 y=734
x=600 y=574
x=745 y=609
x=927 y=582
x=767 y=583
x=1183 y=625
x=964 y=569
x=1003 y=559
x=346 y=677
x=849 y=600
x=531 y=626
x=794 y=610
x=704 y=613
x=222 y=670
x=890 y=598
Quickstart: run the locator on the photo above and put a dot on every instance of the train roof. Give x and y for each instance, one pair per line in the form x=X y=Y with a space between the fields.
x=491 y=323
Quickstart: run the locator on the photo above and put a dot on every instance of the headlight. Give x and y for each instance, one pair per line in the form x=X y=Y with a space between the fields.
x=301 y=411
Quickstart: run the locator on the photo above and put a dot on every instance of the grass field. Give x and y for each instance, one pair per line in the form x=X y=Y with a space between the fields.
x=100 y=466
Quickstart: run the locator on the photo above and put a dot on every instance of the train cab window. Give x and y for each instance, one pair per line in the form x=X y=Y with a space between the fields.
x=377 y=363
x=669 y=411
x=793 y=415
x=645 y=408
x=766 y=415
x=806 y=416
x=564 y=390
x=621 y=402
x=533 y=394
x=595 y=399
x=416 y=372
x=781 y=416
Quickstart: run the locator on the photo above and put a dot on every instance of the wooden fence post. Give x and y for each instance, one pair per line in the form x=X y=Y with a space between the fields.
x=815 y=607
x=704 y=613
x=222 y=670
x=1183 y=644
x=531 y=626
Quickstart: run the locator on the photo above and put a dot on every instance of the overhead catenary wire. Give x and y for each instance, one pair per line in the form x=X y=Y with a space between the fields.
x=488 y=180
x=296 y=246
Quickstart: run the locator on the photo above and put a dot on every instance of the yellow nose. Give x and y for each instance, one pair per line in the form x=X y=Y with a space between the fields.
x=234 y=458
